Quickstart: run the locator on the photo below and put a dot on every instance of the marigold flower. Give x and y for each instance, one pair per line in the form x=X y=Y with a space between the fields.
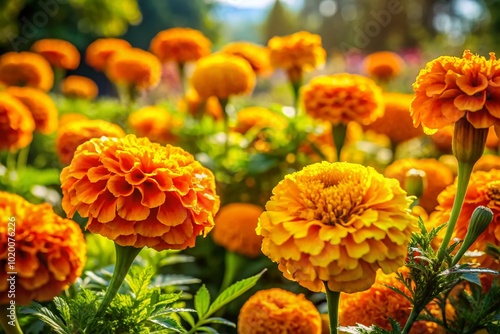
x=72 y=134
x=154 y=122
x=278 y=311
x=234 y=228
x=79 y=87
x=450 y=88
x=133 y=66
x=71 y=117
x=193 y=104
x=336 y=223
x=16 y=125
x=258 y=117
x=256 y=55
x=26 y=69
x=383 y=65
x=50 y=251
x=343 y=97
x=139 y=193
x=59 y=53
x=222 y=75
x=437 y=177
x=99 y=51
x=41 y=106
x=442 y=139
x=180 y=45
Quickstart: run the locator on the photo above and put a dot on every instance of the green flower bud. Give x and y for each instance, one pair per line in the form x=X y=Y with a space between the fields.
x=415 y=182
x=468 y=142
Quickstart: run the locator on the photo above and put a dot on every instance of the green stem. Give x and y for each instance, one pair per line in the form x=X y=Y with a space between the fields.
x=296 y=84
x=22 y=158
x=10 y=325
x=411 y=319
x=233 y=263
x=182 y=71
x=339 y=132
x=332 y=299
x=59 y=74
x=223 y=103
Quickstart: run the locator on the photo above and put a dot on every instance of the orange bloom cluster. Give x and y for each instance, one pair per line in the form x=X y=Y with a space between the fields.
x=180 y=45
x=79 y=87
x=26 y=69
x=258 y=117
x=344 y=97
x=99 y=51
x=50 y=251
x=59 y=53
x=154 y=122
x=139 y=193
x=72 y=134
x=336 y=223
x=256 y=55
x=278 y=311
x=450 y=88
x=16 y=123
x=383 y=65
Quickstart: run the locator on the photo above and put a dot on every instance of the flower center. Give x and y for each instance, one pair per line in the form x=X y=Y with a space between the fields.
x=494 y=191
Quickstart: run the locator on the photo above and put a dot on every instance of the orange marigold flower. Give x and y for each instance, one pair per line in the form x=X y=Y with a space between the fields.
x=450 y=88
x=99 y=51
x=59 y=53
x=50 y=251
x=26 y=69
x=139 y=193
x=222 y=75
x=383 y=65
x=42 y=107
x=256 y=55
x=134 y=67
x=73 y=134
x=278 y=311
x=16 y=123
x=442 y=138
x=258 y=117
x=487 y=162
x=344 y=97
x=79 y=87
x=154 y=122
x=71 y=117
x=180 y=45
x=234 y=228
x=437 y=177
x=193 y=104
x=337 y=223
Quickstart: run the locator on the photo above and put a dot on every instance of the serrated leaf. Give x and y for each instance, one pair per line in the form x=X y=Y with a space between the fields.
x=168 y=323
x=202 y=301
x=207 y=330
x=468 y=271
x=170 y=280
x=222 y=321
x=63 y=308
x=174 y=259
x=47 y=317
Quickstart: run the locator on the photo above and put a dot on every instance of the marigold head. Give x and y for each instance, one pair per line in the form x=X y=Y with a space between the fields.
x=26 y=69
x=78 y=86
x=278 y=311
x=195 y=105
x=383 y=65
x=99 y=51
x=256 y=55
x=344 y=97
x=16 y=125
x=258 y=117
x=50 y=251
x=222 y=75
x=154 y=122
x=139 y=193
x=59 y=53
x=41 y=106
x=336 y=223
x=180 y=45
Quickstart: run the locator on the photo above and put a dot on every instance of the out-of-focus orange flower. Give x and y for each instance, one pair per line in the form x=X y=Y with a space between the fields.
x=344 y=97
x=492 y=140
x=59 y=53
x=79 y=87
x=258 y=117
x=234 y=228
x=256 y=55
x=222 y=75
x=134 y=67
x=139 y=193
x=99 y=51
x=194 y=105
x=180 y=45
x=41 y=106
x=278 y=311
x=16 y=123
x=487 y=162
x=336 y=223
x=442 y=139
x=383 y=65
x=50 y=251
x=73 y=134
x=154 y=122
x=437 y=177
x=26 y=69
x=450 y=88
x=71 y=117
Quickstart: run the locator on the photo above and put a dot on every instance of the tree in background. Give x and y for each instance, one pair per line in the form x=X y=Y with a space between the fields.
x=279 y=22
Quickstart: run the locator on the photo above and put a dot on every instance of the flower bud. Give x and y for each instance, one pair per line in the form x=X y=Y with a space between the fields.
x=468 y=142
x=415 y=182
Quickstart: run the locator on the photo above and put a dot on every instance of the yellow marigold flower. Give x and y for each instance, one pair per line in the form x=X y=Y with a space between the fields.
x=50 y=251
x=258 y=117
x=41 y=106
x=154 y=122
x=71 y=117
x=79 y=87
x=73 y=134
x=450 y=88
x=99 y=51
x=193 y=104
x=234 y=228
x=396 y=122
x=134 y=67
x=26 y=69
x=437 y=177
x=222 y=75
x=344 y=97
x=256 y=55
x=59 y=53
x=16 y=125
x=383 y=65
x=180 y=45
x=139 y=193
x=487 y=162
x=278 y=311
x=336 y=223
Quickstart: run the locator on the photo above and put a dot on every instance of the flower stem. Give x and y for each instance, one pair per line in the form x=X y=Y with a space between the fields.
x=332 y=299
x=411 y=320
x=233 y=263
x=339 y=132
x=223 y=103
x=10 y=325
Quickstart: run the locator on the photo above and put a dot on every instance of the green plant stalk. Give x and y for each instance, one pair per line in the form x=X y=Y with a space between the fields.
x=4 y=321
x=332 y=300
x=233 y=263
x=223 y=103
x=411 y=319
x=182 y=78
x=296 y=84
x=339 y=132
x=22 y=158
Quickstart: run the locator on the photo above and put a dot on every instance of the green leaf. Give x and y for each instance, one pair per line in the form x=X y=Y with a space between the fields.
x=63 y=308
x=47 y=317
x=170 y=280
x=260 y=163
x=202 y=301
x=222 y=321
x=472 y=277
x=188 y=318
x=168 y=323
x=208 y=330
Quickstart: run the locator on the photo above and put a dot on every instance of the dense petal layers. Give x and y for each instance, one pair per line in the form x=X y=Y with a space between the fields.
x=59 y=53
x=78 y=86
x=26 y=69
x=99 y=51
x=16 y=123
x=180 y=45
